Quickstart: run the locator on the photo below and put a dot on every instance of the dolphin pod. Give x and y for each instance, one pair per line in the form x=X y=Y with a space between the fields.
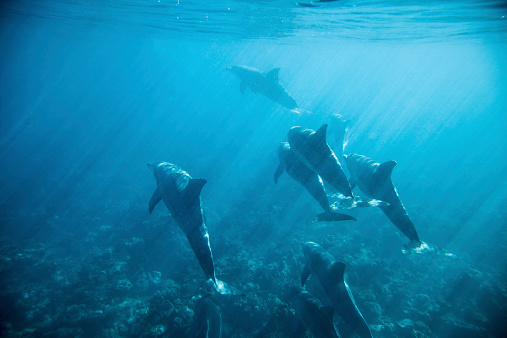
x=267 y=84
x=330 y=275
x=181 y=195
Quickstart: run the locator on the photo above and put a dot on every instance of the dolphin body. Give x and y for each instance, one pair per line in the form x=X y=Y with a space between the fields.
x=207 y=320
x=330 y=275
x=181 y=195
x=312 y=149
x=313 y=316
x=290 y=163
x=374 y=180
x=265 y=83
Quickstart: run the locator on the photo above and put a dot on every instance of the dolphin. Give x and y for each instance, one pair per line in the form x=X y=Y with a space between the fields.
x=374 y=179
x=312 y=149
x=265 y=83
x=312 y=315
x=309 y=180
x=330 y=275
x=207 y=320
x=181 y=195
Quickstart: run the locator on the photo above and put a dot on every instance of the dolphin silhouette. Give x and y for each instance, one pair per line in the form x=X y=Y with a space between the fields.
x=207 y=320
x=309 y=180
x=312 y=149
x=181 y=195
x=265 y=83
x=374 y=179
x=330 y=275
x=312 y=315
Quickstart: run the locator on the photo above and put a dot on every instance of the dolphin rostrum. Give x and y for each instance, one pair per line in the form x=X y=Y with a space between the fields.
x=309 y=180
x=374 y=179
x=207 y=320
x=312 y=149
x=181 y=195
x=265 y=83
x=312 y=315
x=330 y=275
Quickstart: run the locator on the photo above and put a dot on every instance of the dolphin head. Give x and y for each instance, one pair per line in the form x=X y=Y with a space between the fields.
x=308 y=248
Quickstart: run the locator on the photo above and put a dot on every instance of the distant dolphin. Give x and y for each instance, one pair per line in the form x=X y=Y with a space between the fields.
x=312 y=149
x=181 y=195
x=265 y=83
x=374 y=180
x=313 y=316
x=207 y=320
x=309 y=180
x=330 y=275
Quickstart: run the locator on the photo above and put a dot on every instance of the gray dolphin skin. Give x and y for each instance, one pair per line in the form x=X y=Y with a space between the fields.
x=374 y=180
x=313 y=316
x=330 y=275
x=207 y=320
x=312 y=149
x=309 y=180
x=181 y=195
x=265 y=83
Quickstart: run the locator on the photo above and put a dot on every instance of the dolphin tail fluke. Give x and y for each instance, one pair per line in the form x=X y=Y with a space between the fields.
x=416 y=247
x=226 y=289
x=333 y=216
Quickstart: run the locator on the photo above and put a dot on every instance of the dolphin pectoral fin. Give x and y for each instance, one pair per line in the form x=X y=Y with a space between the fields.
x=273 y=74
x=242 y=87
x=385 y=169
x=333 y=216
x=338 y=271
x=305 y=274
x=225 y=289
x=278 y=172
x=194 y=187
x=155 y=198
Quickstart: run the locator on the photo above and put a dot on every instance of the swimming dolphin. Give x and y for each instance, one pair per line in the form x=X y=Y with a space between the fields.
x=374 y=179
x=312 y=149
x=181 y=195
x=207 y=320
x=265 y=83
x=330 y=275
x=309 y=180
x=313 y=316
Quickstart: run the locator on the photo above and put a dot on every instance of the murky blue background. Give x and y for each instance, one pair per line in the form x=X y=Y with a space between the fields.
x=91 y=92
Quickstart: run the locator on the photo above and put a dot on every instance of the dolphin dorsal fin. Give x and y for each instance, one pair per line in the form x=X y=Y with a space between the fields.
x=338 y=271
x=194 y=187
x=273 y=74
x=385 y=169
x=328 y=313
x=155 y=198
x=320 y=135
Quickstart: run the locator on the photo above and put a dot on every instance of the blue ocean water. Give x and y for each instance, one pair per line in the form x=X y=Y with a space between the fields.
x=91 y=91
